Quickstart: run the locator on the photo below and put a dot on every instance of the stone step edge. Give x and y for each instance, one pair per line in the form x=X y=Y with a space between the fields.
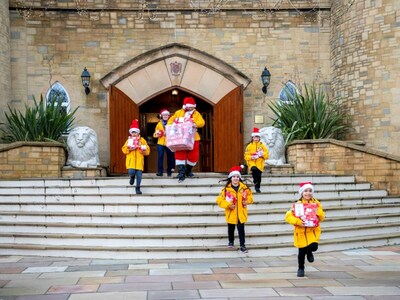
x=211 y=194
x=180 y=236
x=183 y=225
x=353 y=239
x=186 y=214
x=295 y=186
x=157 y=202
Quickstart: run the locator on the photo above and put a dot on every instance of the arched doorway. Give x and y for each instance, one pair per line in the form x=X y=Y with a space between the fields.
x=142 y=86
x=149 y=117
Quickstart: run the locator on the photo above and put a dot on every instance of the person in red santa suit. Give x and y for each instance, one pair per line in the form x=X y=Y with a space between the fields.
x=185 y=160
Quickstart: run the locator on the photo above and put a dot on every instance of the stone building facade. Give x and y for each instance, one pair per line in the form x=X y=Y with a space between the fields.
x=351 y=47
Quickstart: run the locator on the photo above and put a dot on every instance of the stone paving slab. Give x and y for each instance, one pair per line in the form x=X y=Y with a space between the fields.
x=362 y=274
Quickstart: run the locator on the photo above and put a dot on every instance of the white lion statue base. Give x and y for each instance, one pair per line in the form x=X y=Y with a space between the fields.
x=273 y=139
x=82 y=148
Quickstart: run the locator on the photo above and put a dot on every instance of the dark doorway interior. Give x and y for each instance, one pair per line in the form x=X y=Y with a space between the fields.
x=149 y=117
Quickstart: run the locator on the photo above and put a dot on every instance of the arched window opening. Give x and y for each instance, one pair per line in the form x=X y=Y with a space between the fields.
x=288 y=92
x=59 y=94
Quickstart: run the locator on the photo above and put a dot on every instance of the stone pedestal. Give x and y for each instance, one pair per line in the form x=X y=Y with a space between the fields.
x=70 y=172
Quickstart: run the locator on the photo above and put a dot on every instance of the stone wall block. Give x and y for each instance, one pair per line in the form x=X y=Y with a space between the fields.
x=341 y=158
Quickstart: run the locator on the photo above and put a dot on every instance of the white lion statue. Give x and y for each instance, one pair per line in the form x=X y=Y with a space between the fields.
x=272 y=138
x=82 y=148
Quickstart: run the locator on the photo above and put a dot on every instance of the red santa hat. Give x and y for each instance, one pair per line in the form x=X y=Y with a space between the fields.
x=304 y=186
x=188 y=102
x=256 y=132
x=235 y=171
x=134 y=126
x=164 y=112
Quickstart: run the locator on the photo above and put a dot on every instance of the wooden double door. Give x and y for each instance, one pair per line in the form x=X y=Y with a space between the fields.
x=221 y=145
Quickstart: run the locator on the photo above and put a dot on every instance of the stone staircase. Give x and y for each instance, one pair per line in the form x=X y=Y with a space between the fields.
x=103 y=218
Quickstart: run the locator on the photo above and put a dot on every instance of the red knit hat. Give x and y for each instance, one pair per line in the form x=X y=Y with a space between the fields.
x=164 y=112
x=256 y=132
x=304 y=186
x=235 y=171
x=188 y=102
x=134 y=126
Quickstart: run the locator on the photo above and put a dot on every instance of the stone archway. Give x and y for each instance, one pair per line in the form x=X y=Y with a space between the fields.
x=177 y=66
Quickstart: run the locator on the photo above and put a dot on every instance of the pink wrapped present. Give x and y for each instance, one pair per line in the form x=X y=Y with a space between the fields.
x=180 y=136
x=133 y=142
x=307 y=212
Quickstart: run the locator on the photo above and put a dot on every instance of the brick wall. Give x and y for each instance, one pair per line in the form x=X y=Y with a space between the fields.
x=342 y=158
x=365 y=69
x=57 y=46
x=5 y=74
x=31 y=160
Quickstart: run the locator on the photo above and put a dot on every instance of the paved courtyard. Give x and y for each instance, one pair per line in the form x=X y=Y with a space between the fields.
x=372 y=273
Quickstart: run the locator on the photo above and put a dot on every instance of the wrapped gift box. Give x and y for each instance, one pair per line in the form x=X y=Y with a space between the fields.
x=230 y=198
x=307 y=212
x=133 y=142
x=180 y=136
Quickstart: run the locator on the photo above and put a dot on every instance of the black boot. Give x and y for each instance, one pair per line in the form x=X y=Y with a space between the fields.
x=181 y=173
x=188 y=172
x=132 y=180
x=138 y=191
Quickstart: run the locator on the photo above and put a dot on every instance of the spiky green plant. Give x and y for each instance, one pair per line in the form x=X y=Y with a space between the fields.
x=310 y=115
x=39 y=123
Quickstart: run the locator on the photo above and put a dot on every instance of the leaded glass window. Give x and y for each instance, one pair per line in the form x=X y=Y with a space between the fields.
x=58 y=93
x=288 y=92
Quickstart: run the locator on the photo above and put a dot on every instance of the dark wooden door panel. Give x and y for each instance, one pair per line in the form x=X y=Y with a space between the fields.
x=122 y=111
x=228 y=133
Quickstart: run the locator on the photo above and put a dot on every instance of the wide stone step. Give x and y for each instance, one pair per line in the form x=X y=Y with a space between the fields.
x=152 y=180
x=171 y=189
x=81 y=215
x=275 y=199
x=182 y=240
x=162 y=205
x=262 y=250
x=186 y=228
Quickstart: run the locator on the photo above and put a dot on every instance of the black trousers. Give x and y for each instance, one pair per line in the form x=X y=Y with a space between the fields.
x=256 y=173
x=231 y=233
x=301 y=257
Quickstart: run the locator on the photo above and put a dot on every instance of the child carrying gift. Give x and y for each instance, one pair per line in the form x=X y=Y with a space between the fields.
x=255 y=155
x=306 y=215
x=234 y=198
x=159 y=133
x=135 y=148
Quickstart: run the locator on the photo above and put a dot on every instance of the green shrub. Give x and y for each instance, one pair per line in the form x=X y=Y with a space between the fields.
x=310 y=116
x=40 y=123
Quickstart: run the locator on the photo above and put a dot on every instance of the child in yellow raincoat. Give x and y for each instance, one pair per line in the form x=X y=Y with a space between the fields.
x=255 y=155
x=135 y=148
x=234 y=198
x=305 y=238
x=159 y=133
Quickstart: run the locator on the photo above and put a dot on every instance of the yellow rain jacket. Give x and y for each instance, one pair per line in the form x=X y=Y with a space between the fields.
x=224 y=200
x=135 y=158
x=254 y=147
x=196 y=116
x=304 y=236
x=162 y=140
